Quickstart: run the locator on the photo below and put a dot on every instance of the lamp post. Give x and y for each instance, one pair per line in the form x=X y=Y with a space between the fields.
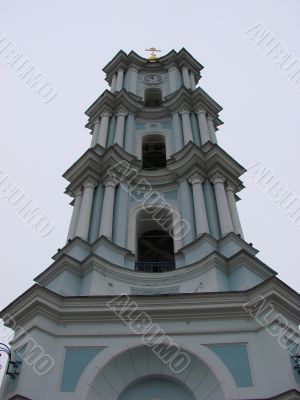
x=12 y=366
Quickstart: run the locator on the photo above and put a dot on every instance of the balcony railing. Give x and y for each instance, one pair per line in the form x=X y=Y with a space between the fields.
x=160 y=266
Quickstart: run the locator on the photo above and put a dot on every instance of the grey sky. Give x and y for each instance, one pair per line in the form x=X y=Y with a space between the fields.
x=70 y=42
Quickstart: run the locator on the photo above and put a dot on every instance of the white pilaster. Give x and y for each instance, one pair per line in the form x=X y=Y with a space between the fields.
x=186 y=126
x=75 y=214
x=106 y=227
x=113 y=83
x=119 y=134
x=120 y=79
x=196 y=181
x=186 y=77
x=222 y=204
x=173 y=73
x=133 y=80
x=237 y=227
x=203 y=127
x=103 y=131
x=192 y=81
x=211 y=127
x=82 y=229
x=96 y=129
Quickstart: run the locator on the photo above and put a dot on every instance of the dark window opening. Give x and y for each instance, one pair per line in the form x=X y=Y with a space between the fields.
x=153 y=97
x=155 y=246
x=154 y=152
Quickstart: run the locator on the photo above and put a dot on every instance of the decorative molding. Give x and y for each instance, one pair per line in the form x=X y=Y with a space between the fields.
x=105 y=113
x=217 y=178
x=230 y=186
x=196 y=178
x=185 y=111
x=200 y=111
x=110 y=181
x=89 y=182
x=122 y=112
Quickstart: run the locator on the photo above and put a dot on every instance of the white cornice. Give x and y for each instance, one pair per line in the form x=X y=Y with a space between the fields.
x=111 y=102
x=180 y=59
x=197 y=306
x=206 y=160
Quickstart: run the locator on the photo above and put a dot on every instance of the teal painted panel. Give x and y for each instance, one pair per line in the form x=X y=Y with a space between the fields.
x=76 y=360
x=235 y=357
x=166 y=125
x=140 y=125
x=171 y=195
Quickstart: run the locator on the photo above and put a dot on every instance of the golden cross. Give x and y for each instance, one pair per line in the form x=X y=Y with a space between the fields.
x=153 y=52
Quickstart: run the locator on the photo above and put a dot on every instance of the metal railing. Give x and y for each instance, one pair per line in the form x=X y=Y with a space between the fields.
x=153 y=266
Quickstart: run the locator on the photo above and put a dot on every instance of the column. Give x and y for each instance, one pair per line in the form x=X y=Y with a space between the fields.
x=75 y=214
x=121 y=214
x=120 y=78
x=188 y=234
x=106 y=227
x=102 y=135
x=177 y=131
x=96 y=213
x=186 y=126
x=222 y=204
x=173 y=78
x=95 y=132
x=133 y=80
x=113 y=83
x=119 y=134
x=211 y=128
x=82 y=229
x=203 y=127
x=196 y=181
x=237 y=227
x=192 y=81
x=186 y=77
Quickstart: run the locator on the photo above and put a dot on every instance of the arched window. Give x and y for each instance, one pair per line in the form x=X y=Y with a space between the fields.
x=153 y=152
x=155 y=245
x=153 y=97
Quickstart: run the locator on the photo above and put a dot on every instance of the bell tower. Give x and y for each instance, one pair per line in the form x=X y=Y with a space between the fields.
x=154 y=192
x=156 y=294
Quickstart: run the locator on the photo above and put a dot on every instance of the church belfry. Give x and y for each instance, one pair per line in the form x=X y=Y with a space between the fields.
x=156 y=294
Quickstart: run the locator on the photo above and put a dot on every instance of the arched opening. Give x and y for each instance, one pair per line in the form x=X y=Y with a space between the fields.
x=155 y=244
x=154 y=152
x=167 y=376
x=153 y=97
x=157 y=388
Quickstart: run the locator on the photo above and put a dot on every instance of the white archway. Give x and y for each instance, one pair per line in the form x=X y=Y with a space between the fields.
x=86 y=388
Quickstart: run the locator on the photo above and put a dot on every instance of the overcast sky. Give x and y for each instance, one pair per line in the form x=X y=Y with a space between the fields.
x=71 y=41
